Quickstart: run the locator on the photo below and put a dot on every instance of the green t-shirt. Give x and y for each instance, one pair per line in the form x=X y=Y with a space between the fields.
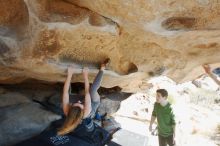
x=165 y=119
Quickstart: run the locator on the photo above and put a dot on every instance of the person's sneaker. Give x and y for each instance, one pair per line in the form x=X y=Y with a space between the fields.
x=106 y=63
x=98 y=116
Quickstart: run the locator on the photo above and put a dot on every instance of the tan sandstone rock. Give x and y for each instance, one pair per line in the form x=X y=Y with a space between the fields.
x=143 y=39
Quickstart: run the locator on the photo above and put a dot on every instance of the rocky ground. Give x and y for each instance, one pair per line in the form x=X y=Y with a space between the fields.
x=21 y=118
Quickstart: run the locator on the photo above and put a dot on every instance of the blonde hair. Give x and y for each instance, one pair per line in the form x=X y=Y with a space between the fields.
x=73 y=119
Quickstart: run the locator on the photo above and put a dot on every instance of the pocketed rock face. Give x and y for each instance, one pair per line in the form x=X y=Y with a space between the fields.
x=143 y=39
x=14 y=17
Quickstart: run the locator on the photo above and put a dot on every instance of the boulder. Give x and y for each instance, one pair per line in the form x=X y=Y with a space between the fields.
x=39 y=39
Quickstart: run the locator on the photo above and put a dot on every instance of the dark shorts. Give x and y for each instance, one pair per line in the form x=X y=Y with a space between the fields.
x=163 y=141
